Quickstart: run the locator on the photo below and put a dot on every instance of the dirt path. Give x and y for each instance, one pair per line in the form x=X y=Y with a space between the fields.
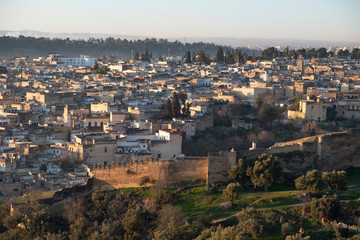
x=259 y=209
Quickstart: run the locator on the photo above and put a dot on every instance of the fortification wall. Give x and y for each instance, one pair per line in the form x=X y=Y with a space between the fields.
x=284 y=148
x=325 y=152
x=219 y=165
x=340 y=150
x=169 y=171
x=12 y=189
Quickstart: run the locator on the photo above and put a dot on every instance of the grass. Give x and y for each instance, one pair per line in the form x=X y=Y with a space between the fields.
x=37 y=195
x=198 y=200
x=353 y=191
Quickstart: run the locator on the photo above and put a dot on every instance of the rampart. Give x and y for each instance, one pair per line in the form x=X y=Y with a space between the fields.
x=122 y=175
x=219 y=165
x=324 y=152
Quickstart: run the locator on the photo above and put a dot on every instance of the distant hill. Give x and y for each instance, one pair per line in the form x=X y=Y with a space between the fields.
x=76 y=36
x=11 y=46
x=263 y=43
x=227 y=41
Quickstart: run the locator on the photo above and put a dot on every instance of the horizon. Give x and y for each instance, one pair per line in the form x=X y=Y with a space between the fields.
x=252 y=43
x=177 y=38
x=335 y=21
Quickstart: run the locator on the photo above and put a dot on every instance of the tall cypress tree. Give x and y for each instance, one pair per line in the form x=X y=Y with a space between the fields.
x=175 y=105
x=147 y=56
x=193 y=57
x=219 y=58
x=136 y=56
x=168 y=109
x=188 y=57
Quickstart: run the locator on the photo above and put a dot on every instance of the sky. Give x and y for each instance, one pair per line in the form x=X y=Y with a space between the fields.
x=328 y=20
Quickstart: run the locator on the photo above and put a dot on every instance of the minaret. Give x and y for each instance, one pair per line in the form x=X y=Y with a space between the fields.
x=67 y=117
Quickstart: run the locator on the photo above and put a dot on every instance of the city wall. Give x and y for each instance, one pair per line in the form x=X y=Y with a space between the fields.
x=165 y=171
x=219 y=165
x=325 y=152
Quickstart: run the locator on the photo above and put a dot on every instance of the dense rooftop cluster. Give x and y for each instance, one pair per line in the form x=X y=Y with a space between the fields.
x=61 y=116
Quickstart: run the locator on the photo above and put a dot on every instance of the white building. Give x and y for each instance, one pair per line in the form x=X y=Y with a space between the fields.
x=82 y=61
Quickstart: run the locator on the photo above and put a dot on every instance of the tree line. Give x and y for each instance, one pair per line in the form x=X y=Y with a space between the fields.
x=100 y=47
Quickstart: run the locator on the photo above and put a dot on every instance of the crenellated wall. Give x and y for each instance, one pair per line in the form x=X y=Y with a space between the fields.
x=167 y=171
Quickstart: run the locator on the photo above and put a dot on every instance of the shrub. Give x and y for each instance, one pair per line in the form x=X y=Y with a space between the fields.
x=144 y=181
x=231 y=192
x=286 y=229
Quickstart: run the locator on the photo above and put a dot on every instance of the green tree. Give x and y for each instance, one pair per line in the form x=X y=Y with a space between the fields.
x=251 y=222
x=239 y=57
x=312 y=181
x=101 y=202
x=327 y=207
x=321 y=53
x=78 y=230
x=264 y=172
x=221 y=233
x=330 y=114
x=133 y=223
x=336 y=180
x=170 y=221
x=296 y=104
x=167 y=109
x=286 y=229
x=238 y=172
x=231 y=192
x=264 y=113
x=202 y=57
x=268 y=113
x=136 y=56
x=3 y=70
x=258 y=102
x=144 y=181
x=269 y=53
x=188 y=57
x=311 y=53
x=175 y=105
x=147 y=56
x=297 y=236
x=355 y=53
x=219 y=58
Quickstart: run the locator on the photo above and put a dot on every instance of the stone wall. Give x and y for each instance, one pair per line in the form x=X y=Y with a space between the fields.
x=129 y=174
x=325 y=152
x=219 y=165
x=12 y=189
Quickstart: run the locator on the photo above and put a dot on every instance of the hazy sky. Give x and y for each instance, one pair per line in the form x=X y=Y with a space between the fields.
x=302 y=19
